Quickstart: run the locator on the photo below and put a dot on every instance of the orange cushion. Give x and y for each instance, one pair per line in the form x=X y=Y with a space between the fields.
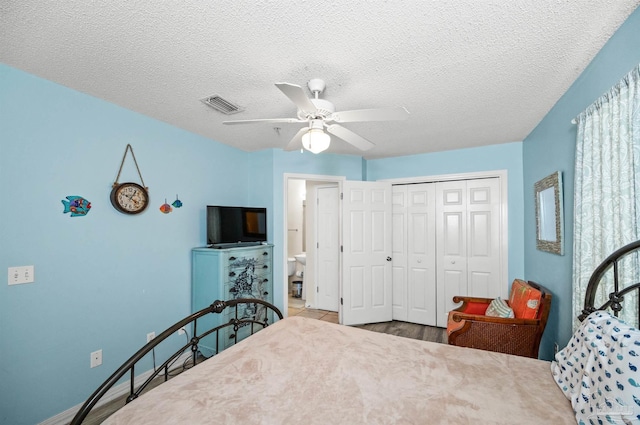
x=524 y=300
x=476 y=308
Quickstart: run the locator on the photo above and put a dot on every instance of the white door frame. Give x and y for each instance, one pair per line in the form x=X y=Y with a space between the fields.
x=504 y=208
x=285 y=182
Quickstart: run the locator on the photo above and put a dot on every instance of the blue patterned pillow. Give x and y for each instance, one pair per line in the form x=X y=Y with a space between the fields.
x=499 y=308
x=598 y=371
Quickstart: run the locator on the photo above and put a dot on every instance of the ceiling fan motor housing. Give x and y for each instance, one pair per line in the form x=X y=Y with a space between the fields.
x=324 y=109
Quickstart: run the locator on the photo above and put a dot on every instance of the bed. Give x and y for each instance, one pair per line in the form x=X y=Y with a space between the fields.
x=300 y=370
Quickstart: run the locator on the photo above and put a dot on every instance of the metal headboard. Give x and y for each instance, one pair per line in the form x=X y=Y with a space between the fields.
x=258 y=321
x=617 y=296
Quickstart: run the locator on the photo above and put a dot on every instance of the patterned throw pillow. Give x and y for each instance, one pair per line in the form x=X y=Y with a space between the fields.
x=599 y=371
x=499 y=308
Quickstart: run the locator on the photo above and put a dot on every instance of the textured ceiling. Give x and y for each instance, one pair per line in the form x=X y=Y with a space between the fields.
x=470 y=72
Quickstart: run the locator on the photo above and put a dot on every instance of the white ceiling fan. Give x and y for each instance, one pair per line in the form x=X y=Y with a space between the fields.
x=320 y=114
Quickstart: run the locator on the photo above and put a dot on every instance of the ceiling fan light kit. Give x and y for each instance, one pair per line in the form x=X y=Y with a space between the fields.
x=315 y=140
x=321 y=114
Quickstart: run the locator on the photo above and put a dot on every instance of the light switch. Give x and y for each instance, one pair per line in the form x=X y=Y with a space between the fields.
x=19 y=275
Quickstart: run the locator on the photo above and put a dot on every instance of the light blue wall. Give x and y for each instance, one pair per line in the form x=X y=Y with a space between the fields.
x=105 y=280
x=551 y=147
x=506 y=156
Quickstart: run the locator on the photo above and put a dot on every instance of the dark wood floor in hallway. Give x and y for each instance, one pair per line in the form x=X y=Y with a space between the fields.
x=395 y=327
x=409 y=330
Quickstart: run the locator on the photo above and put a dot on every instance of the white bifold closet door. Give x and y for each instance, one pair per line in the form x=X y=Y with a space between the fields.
x=414 y=254
x=446 y=242
x=467 y=242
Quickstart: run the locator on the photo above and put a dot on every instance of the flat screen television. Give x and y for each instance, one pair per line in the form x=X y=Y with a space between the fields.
x=230 y=226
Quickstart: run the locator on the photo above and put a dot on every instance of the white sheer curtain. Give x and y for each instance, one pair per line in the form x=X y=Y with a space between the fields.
x=607 y=188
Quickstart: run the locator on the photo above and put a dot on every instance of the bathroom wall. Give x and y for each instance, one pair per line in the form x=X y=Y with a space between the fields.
x=295 y=223
x=295 y=217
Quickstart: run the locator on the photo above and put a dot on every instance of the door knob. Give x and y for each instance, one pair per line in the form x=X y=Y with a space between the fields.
x=388 y=258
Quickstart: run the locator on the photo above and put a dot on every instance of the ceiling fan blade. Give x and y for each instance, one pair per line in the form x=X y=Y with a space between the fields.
x=357 y=115
x=296 y=142
x=350 y=137
x=269 y=120
x=297 y=96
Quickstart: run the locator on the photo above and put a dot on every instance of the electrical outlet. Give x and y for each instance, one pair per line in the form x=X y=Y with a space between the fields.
x=19 y=275
x=181 y=331
x=150 y=336
x=96 y=358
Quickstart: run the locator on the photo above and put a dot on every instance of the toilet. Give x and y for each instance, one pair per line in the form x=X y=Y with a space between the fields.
x=291 y=266
x=295 y=286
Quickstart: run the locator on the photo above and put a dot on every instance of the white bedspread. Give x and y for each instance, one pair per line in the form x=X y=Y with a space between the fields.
x=305 y=371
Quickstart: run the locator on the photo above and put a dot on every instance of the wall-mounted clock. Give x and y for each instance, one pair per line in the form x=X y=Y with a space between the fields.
x=129 y=198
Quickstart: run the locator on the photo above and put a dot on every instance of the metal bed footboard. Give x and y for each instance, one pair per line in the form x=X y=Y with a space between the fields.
x=619 y=290
x=129 y=366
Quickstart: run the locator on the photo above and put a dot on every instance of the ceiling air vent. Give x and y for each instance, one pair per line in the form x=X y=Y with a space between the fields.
x=222 y=105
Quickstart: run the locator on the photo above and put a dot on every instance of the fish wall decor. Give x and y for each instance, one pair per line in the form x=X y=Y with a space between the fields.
x=76 y=205
x=165 y=208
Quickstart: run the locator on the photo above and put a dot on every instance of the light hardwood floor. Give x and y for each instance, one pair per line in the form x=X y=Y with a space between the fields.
x=297 y=308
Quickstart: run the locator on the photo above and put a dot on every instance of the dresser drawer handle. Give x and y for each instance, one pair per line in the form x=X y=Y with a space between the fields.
x=265 y=266
x=232 y=258
x=265 y=253
x=232 y=274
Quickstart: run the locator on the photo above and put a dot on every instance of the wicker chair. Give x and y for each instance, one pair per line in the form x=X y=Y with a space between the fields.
x=469 y=327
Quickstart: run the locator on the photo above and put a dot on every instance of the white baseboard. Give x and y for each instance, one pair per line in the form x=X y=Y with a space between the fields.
x=64 y=418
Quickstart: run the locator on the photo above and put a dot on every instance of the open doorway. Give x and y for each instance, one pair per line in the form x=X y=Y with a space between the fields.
x=312 y=234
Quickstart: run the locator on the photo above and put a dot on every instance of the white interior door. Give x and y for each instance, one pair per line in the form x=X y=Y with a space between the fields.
x=366 y=272
x=328 y=249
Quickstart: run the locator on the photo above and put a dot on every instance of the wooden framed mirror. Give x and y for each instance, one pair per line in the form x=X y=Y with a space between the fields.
x=549 y=214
